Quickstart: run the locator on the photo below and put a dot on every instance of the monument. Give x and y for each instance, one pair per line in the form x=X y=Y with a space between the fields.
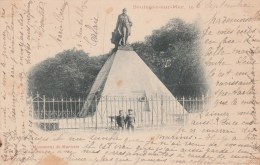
x=126 y=77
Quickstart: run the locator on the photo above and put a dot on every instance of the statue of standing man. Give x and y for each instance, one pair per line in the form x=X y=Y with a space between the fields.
x=123 y=29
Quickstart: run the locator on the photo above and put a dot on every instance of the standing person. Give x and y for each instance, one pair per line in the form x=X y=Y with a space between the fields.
x=130 y=120
x=120 y=120
x=123 y=27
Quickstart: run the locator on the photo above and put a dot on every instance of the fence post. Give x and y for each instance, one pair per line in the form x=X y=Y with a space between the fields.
x=203 y=99
x=49 y=114
x=208 y=100
x=68 y=112
x=53 y=112
x=106 y=110
x=114 y=115
x=157 y=111
x=44 y=112
x=84 y=118
x=32 y=102
x=62 y=112
x=196 y=105
x=193 y=106
x=167 y=108
x=183 y=105
x=152 y=109
x=162 y=110
x=92 y=115
x=38 y=106
x=203 y=104
x=190 y=109
x=96 y=112
x=77 y=112
x=141 y=115
x=101 y=109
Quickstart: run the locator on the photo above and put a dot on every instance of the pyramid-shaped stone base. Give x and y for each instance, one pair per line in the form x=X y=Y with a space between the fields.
x=126 y=82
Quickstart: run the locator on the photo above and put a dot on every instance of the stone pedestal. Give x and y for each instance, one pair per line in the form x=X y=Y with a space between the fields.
x=127 y=48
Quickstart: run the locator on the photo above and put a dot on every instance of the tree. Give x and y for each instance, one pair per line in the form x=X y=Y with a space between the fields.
x=69 y=74
x=173 y=53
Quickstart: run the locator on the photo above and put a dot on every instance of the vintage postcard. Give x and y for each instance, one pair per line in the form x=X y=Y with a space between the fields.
x=131 y=82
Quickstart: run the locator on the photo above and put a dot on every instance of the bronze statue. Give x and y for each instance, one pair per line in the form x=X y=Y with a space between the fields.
x=123 y=29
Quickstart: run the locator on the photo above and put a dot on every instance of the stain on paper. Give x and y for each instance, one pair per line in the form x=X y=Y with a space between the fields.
x=52 y=160
x=119 y=83
x=109 y=10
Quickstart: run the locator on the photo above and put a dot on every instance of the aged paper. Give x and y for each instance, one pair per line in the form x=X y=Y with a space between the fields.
x=227 y=132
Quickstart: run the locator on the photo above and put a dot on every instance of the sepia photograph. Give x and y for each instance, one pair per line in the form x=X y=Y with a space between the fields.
x=150 y=84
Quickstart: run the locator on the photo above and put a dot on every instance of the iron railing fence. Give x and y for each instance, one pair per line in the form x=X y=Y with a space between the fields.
x=157 y=111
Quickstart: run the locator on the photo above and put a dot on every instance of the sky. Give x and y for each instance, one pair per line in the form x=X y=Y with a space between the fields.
x=76 y=21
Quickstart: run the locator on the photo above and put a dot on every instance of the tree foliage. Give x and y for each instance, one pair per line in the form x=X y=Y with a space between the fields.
x=69 y=74
x=173 y=53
